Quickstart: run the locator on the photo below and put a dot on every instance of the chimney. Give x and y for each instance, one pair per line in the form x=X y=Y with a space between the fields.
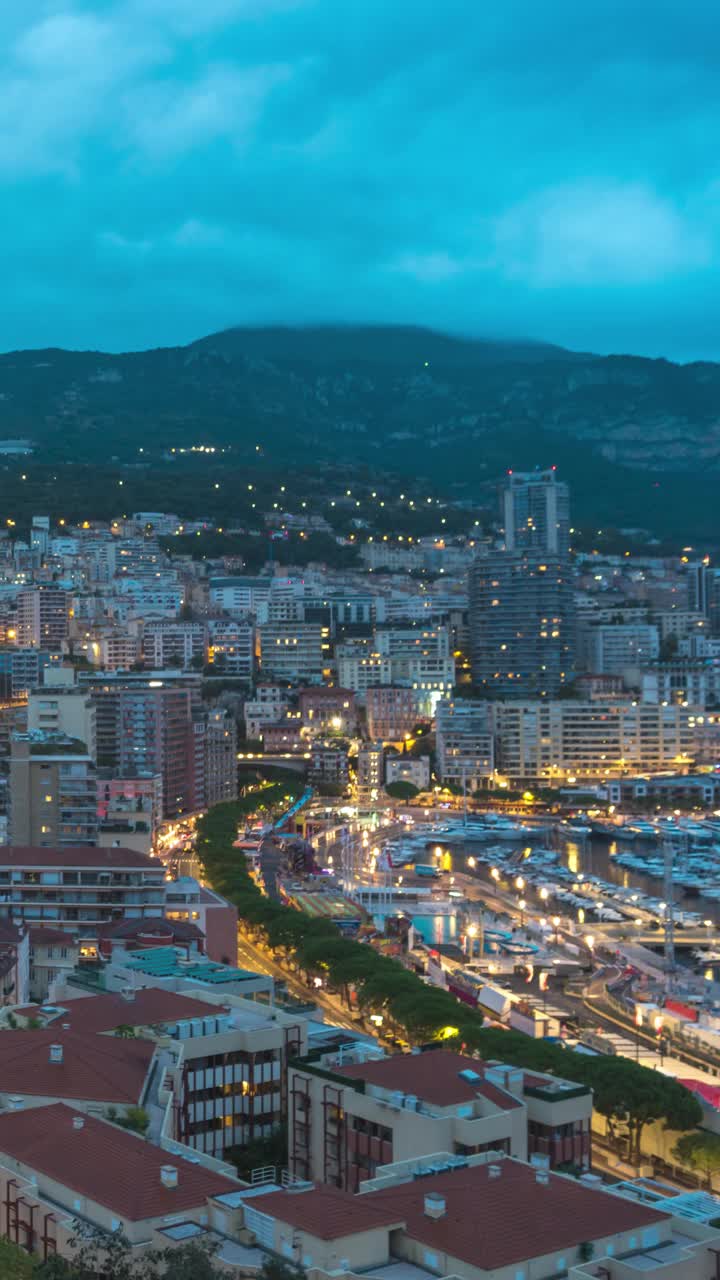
x=494 y=1171
x=56 y=1053
x=169 y=1175
x=542 y=1177
x=78 y=1122
x=435 y=1206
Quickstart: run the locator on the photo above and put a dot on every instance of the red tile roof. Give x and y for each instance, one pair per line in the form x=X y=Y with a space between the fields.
x=106 y=1164
x=493 y=1223
x=489 y=1223
x=326 y=1212
x=94 y=1068
x=107 y=1011
x=44 y=933
x=74 y=856
x=433 y=1076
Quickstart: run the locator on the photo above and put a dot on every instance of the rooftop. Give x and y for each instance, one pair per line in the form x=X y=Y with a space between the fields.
x=107 y=1164
x=109 y=1010
x=164 y=962
x=434 y=1076
x=489 y=1223
x=75 y=856
x=93 y=1068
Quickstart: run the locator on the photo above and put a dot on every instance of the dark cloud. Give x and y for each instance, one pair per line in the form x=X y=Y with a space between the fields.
x=168 y=168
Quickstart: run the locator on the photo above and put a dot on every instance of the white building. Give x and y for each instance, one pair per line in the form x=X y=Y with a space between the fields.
x=465 y=746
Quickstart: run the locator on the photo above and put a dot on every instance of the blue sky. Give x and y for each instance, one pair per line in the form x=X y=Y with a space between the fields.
x=172 y=167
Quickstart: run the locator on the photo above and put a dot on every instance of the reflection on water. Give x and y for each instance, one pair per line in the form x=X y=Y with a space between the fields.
x=572 y=856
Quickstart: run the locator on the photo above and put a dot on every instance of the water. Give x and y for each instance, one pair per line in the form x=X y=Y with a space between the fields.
x=436 y=929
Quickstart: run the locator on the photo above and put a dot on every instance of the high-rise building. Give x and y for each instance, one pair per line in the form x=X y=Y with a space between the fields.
x=42 y=618
x=68 y=710
x=465 y=745
x=146 y=724
x=53 y=792
x=220 y=742
x=536 y=512
x=522 y=624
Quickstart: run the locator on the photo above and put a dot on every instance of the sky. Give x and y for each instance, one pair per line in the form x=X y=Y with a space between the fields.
x=169 y=168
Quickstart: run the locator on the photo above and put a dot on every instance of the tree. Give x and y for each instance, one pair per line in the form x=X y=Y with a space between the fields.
x=699 y=1151
x=125 y=1031
x=276 y=1269
x=15 y=1264
x=402 y=790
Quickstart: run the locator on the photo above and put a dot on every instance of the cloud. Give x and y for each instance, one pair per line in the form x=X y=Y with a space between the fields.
x=496 y=169
x=168 y=118
x=598 y=233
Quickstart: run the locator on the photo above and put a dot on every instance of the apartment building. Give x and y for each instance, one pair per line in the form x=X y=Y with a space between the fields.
x=79 y=888
x=145 y=723
x=683 y=680
x=294 y=650
x=350 y=1117
x=465 y=742
x=231 y=648
x=391 y=713
x=611 y=650
x=412 y=769
x=565 y=740
x=52 y=791
x=485 y=1217
x=240 y=596
x=324 y=710
x=23 y=669
x=361 y=668
x=58 y=1165
x=522 y=624
x=173 y=643
x=370 y=770
x=42 y=617
x=220 y=736
x=66 y=710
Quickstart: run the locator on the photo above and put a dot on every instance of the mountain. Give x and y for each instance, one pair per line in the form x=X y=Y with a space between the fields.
x=398 y=398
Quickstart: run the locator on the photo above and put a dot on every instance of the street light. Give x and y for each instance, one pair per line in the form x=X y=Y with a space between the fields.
x=494 y=873
x=556 y=926
x=519 y=883
x=638 y=1024
x=544 y=895
x=522 y=905
x=471 y=862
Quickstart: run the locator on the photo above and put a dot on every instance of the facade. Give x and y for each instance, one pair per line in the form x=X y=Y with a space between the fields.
x=231 y=648
x=522 y=624
x=683 y=681
x=147 y=726
x=192 y=903
x=171 y=643
x=349 y=1118
x=465 y=742
x=361 y=669
x=536 y=512
x=64 y=710
x=294 y=650
x=80 y=888
x=329 y=763
x=487 y=1217
x=370 y=771
x=327 y=710
x=568 y=740
x=54 y=954
x=53 y=791
x=391 y=713
x=610 y=650
x=412 y=769
x=42 y=619
x=58 y=1164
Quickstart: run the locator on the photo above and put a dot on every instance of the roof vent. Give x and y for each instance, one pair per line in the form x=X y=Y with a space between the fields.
x=128 y=994
x=542 y=1177
x=15 y=1103
x=494 y=1171
x=56 y=1053
x=435 y=1206
x=169 y=1175
x=296 y=1188
x=78 y=1122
